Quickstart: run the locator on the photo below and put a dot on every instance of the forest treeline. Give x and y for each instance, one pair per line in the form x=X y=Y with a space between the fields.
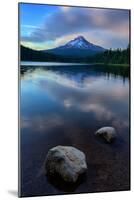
x=117 y=56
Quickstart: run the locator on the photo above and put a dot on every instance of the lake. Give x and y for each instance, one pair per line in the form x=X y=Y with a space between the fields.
x=65 y=105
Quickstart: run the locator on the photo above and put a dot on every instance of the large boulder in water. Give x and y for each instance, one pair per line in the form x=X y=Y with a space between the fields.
x=66 y=161
x=107 y=133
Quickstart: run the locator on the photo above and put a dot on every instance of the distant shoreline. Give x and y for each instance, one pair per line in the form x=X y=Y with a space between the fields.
x=37 y=63
x=113 y=64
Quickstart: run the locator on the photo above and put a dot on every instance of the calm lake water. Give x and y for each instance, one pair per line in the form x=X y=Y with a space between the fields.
x=65 y=105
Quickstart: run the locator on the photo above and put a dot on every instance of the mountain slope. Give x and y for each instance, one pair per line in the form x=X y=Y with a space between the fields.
x=81 y=43
x=77 y=47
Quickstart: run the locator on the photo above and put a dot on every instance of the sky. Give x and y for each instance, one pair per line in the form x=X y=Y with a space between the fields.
x=47 y=26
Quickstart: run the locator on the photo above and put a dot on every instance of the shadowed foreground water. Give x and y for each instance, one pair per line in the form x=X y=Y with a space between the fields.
x=64 y=105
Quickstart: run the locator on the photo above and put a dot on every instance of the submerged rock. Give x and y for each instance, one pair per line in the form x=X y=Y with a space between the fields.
x=66 y=161
x=107 y=133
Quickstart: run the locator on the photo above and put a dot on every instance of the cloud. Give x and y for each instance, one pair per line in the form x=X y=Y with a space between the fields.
x=70 y=21
x=28 y=26
x=66 y=8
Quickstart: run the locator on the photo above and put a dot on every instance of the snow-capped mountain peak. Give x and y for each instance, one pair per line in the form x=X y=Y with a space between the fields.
x=78 y=47
x=81 y=43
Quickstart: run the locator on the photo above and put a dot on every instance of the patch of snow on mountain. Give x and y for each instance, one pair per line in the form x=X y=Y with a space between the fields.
x=81 y=43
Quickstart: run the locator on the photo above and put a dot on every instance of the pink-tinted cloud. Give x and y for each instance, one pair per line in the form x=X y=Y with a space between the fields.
x=112 y=24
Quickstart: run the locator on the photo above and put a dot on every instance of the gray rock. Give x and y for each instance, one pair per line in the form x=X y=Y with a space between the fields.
x=66 y=161
x=107 y=133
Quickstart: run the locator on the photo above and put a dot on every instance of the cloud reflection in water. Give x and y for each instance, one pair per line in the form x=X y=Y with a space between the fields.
x=84 y=92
